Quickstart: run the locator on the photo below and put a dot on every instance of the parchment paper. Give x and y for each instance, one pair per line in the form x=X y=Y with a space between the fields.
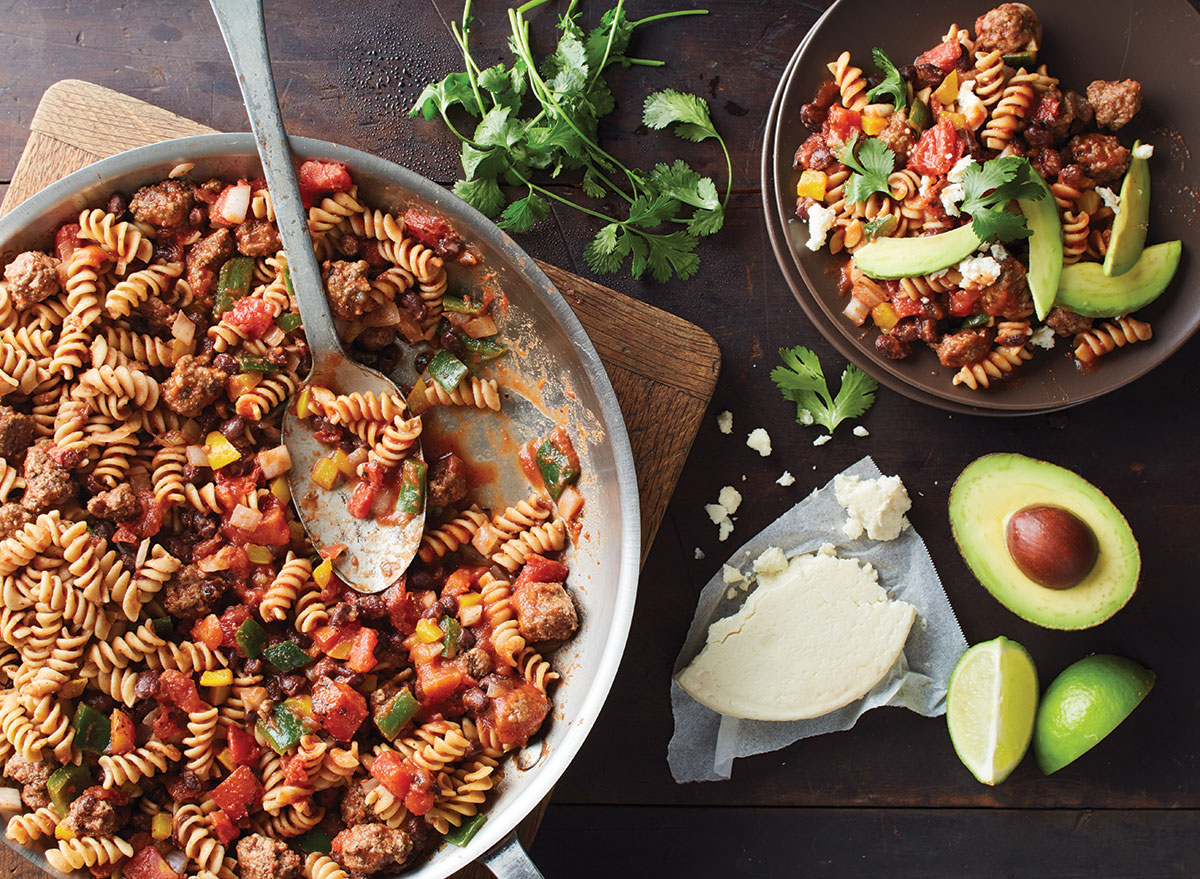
x=705 y=743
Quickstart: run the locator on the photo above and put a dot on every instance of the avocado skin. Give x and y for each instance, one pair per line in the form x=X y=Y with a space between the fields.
x=995 y=486
x=1133 y=221
x=1085 y=289
x=1045 y=247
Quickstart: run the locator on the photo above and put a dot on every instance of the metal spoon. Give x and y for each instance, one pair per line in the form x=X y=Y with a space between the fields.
x=376 y=554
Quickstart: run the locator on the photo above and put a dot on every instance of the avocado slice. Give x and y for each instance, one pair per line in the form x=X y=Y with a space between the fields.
x=1045 y=247
x=1085 y=289
x=987 y=494
x=1132 y=221
x=889 y=258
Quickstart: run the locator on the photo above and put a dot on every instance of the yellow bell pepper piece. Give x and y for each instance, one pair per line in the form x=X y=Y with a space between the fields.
x=303 y=409
x=872 y=125
x=885 y=316
x=281 y=490
x=958 y=120
x=225 y=759
x=429 y=631
x=221 y=451
x=342 y=461
x=325 y=473
x=300 y=705
x=296 y=529
x=947 y=92
x=220 y=677
x=160 y=824
x=812 y=185
x=469 y=598
x=341 y=650
x=258 y=555
x=322 y=572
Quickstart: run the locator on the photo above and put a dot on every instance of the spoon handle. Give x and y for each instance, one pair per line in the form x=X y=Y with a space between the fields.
x=241 y=23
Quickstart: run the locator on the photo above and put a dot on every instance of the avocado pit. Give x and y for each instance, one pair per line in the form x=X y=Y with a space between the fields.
x=1051 y=546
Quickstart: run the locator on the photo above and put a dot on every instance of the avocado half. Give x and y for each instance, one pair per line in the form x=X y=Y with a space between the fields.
x=996 y=486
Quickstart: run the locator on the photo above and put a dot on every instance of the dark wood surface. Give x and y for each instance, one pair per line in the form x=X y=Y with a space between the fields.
x=889 y=797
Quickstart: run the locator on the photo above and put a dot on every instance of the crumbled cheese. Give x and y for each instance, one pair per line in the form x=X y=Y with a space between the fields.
x=861 y=431
x=1110 y=198
x=1143 y=151
x=821 y=440
x=786 y=479
x=955 y=174
x=760 y=441
x=999 y=254
x=940 y=273
x=950 y=197
x=772 y=561
x=926 y=183
x=805 y=417
x=724 y=530
x=979 y=271
x=731 y=574
x=730 y=498
x=698 y=554
x=721 y=513
x=1043 y=337
x=731 y=593
x=811 y=638
x=973 y=109
x=874 y=505
x=725 y=422
x=820 y=221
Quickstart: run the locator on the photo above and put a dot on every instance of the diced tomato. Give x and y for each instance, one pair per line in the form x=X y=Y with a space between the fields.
x=294 y=771
x=539 y=569
x=148 y=864
x=840 y=125
x=242 y=748
x=462 y=580
x=230 y=621
x=902 y=305
x=403 y=611
x=231 y=489
x=239 y=794
x=962 y=302
x=943 y=56
x=1045 y=110
x=359 y=505
x=179 y=689
x=209 y=631
x=254 y=317
x=223 y=827
x=328 y=637
x=319 y=177
x=217 y=213
x=122 y=733
x=271 y=530
x=362 y=652
x=516 y=712
x=377 y=474
x=332 y=551
x=391 y=770
x=66 y=240
x=205 y=195
x=340 y=709
x=164 y=726
x=147 y=524
x=938 y=149
x=420 y=800
x=438 y=680
x=434 y=232
x=527 y=457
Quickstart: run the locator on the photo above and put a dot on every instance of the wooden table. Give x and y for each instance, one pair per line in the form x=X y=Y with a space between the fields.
x=889 y=797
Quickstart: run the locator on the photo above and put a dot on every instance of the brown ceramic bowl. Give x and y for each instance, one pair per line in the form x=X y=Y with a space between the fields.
x=1101 y=39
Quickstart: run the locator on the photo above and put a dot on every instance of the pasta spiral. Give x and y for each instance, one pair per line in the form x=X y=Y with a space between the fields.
x=1008 y=116
x=1096 y=343
x=125 y=241
x=143 y=762
x=998 y=363
x=851 y=83
x=88 y=851
x=151 y=281
x=282 y=592
x=539 y=539
x=471 y=391
x=24 y=829
x=450 y=536
x=191 y=830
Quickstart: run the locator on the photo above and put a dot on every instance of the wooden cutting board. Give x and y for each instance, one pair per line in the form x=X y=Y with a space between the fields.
x=662 y=368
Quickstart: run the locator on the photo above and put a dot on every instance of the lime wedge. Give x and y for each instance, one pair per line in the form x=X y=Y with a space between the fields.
x=990 y=708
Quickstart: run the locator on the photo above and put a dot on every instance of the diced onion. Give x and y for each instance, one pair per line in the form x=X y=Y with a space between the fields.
x=10 y=799
x=275 y=462
x=570 y=502
x=221 y=560
x=385 y=316
x=197 y=456
x=176 y=860
x=856 y=311
x=244 y=517
x=359 y=456
x=183 y=329
x=235 y=203
x=480 y=326
x=274 y=336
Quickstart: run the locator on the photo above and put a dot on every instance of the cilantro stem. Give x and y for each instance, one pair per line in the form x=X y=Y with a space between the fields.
x=646 y=62
x=559 y=198
x=472 y=70
x=612 y=33
x=663 y=16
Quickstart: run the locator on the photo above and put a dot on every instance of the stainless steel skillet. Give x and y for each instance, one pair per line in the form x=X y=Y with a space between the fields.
x=553 y=376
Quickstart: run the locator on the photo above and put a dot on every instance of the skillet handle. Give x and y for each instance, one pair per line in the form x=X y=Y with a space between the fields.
x=509 y=860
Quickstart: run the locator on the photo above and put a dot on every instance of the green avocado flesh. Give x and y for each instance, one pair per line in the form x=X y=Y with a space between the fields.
x=1085 y=289
x=994 y=487
x=1132 y=221
x=888 y=258
x=1045 y=247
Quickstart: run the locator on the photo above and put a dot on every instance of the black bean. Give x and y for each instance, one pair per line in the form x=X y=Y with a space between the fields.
x=448 y=605
x=226 y=363
x=451 y=342
x=274 y=690
x=118 y=205
x=476 y=700
x=292 y=684
x=234 y=427
x=146 y=685
x=466 y=639
x=421 y=361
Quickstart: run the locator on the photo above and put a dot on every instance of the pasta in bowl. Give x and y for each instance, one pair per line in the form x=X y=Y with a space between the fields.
x=190 y=687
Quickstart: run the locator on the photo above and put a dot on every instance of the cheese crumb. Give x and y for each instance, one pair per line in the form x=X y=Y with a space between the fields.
x=786 y=479
x=1143 y=151
x=861 y=431
x=999 y=254
x=1043 y=337
x=820 y=221
x=874 y=505
x=730 y=498
x=731 y=574
x=806 y=417
x=820 y=441
x=724 y=530
x=950 y=198
x=1110 y=198
x=979 y=271
x=973 y=109
x=955 y=174
x=725 y=422
x=772 y=561
x=760 y=441
x=722 y=511
x=698 y=554
x=731 y=593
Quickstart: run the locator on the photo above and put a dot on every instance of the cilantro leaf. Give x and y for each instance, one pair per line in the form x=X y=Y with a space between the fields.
x=707 y=221
x=893 y=85
x=566 y=71
x=484 y=195
x=438 y=97
x=606 y=252
x=988 y=188
x=523 y=213
x=675 y=252
x=997 y=224
x=802 y=381
x=689 y=111
x=873 y=165
x=652 y=212
x=593 y=185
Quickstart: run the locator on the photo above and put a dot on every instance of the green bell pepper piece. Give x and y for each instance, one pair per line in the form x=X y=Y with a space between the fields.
x=411 y=496
x=163 y=626
x=461 y=304
x=975 y=320
x=466 y=831
x=481 y=350
x=66 y=783
x=289 y=321
x=453 y=630
x=287 y=281
x=556 y=468
x=447 y=370
x=287 y=656
x=250 y=638
x=315 y=840
x=233 y=283
x=283 y=729
x=398 y=712
x=92 y=729
x=919 y=116
x=880 y=227
x=249 y=363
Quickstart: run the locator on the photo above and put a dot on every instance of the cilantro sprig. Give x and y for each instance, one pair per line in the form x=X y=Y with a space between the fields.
x=874 y=163
x=988 y=188
x=893 y=85
x=539 y=119
x=801 y=380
